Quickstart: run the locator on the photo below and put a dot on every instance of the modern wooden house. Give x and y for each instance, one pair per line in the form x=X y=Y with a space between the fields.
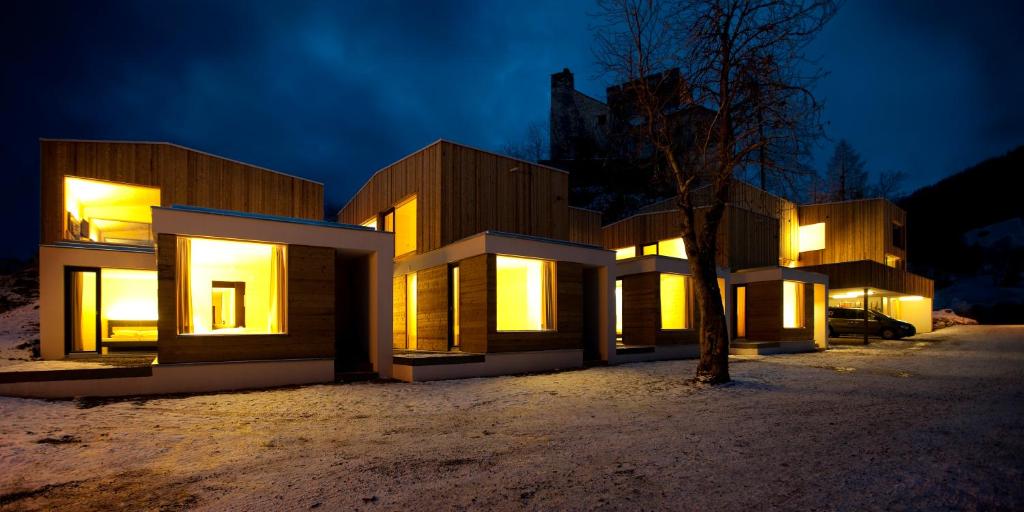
x=493 y=270
x=155 y=249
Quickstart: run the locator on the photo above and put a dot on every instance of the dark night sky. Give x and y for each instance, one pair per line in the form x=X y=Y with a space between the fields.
x=334 y=92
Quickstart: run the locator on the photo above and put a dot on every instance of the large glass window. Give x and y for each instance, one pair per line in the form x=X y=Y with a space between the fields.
x=792 y=304
x=625 y=253
x=618 y=307
x=405 y=227
x=231 y=287
x=672 y=247
x=525 y=294
x=673 y=302
x=812 y=237
x=128 y=311
x=107 y=212
x=370 y=223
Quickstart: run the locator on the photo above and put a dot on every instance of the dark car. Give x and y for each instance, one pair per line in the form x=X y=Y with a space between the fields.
x=845 y=321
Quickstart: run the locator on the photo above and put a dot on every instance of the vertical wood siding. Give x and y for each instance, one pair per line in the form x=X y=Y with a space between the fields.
x=185 y=176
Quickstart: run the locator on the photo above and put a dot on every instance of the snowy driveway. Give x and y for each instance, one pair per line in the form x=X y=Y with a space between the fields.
x=933 y=422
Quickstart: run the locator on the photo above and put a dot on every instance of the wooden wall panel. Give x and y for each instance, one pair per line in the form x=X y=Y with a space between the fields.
x=789 y=233
x=432 y=308
x=311 y=307
x=764 y=313
x=871 y=274
x=569 y=317
x=474 y=277
x=485 y=191
x=585 y=226
x=418 y=174
x=854 y=230
x=745 y=239
x=185 y=177
x=641 y=313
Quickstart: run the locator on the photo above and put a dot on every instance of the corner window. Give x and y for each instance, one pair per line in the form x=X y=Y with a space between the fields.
x=649 y=249
x=899 y=235
x=625 y=253
x=231 y=287
x=812 y=237
x=108 y=212
x=405 y=227
x=792 y=305
x=673 y=302
x=525 y=294
x=370 y=223
x=891 y=260
x=672 y=247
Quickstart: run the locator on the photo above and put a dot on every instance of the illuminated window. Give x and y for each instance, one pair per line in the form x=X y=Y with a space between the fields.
x=389 y=222
x=625 y=252
x=456 y=308
x=128 y=310
x=410 y=311
x=525 y=293
x=741 y=311
x=673 y=302
x=405 y=227
x=812 y=237
x=106 y=212
x=229 y=287
x=618 y=307
x=673 y=248
x=649 y=249
x=370 y=223
x=892 y=260
x=792 y=305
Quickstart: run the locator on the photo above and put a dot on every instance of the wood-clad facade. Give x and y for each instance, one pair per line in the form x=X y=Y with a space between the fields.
x=311 y=309
x=871 y=274
x=585 y=226
x=764 y=311
x=184 y=176
x=856 y=230
x=746 y=238
x=641 y=313
x=463 y=191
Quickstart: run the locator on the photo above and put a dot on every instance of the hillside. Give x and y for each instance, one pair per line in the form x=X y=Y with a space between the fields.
x=965 y=232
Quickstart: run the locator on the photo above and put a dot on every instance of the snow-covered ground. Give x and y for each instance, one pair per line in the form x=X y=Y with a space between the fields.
x=19 y=333
x=930 y=423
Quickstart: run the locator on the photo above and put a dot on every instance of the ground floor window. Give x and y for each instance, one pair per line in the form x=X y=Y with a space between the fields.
x=618 y=307
x=673 y=302
x=792 y=304
x=128 y=311
x=525 y=294
x=231 y=287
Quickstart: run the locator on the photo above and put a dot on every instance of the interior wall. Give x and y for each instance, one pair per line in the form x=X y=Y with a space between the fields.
x=918 y=313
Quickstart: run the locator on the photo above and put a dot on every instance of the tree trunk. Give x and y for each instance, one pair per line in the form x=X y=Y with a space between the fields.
x=713 y=367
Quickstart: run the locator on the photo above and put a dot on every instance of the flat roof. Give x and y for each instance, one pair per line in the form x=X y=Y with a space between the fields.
x=261 y=216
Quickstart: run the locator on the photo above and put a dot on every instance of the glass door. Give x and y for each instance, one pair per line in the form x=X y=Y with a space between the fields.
x=81 y=310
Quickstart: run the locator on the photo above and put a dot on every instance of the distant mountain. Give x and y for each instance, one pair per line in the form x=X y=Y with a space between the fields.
x=965 y=233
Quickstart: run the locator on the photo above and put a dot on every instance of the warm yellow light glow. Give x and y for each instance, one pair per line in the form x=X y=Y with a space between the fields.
x=251 y=263
x=911 y=298
x=112 y=212
x=128 y=295
x=741 y=311
x=673 y=301
x=812 y=237
x=892 y=260
x=618 y=307
x=625 y=252
x=410 y=311
x=650 y=249
x=792 y=304
x=851 y=295
x=525 y=294
x=672 y=247
x=456 y=309
x=370 y=223
x=405 y=227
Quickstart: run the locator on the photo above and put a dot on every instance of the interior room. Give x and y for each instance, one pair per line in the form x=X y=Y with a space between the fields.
x=107 y=212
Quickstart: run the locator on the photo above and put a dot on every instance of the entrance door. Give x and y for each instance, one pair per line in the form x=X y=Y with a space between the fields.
x=81 y=310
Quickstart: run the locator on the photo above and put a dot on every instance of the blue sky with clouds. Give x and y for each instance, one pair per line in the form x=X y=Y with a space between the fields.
x=334 y=91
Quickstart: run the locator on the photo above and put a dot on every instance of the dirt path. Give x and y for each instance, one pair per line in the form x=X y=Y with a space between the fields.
x=934 y=423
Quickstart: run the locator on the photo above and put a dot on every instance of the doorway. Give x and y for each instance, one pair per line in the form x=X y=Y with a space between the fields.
x=81 y=310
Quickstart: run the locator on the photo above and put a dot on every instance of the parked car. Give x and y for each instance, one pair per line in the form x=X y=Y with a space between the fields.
x=849 y=321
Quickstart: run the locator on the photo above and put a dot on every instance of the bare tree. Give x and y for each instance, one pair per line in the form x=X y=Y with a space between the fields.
x=845 y=175
x=742 y=64
x=533 y=147
x=888 y=184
